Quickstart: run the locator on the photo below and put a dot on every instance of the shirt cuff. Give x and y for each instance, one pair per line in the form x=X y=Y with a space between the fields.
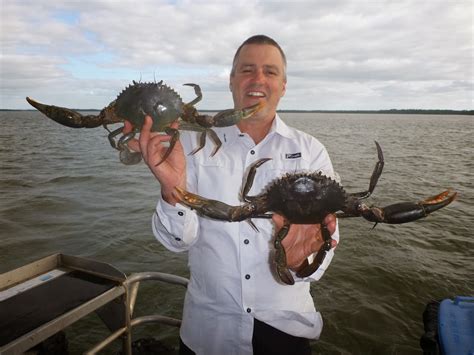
x=174 y=226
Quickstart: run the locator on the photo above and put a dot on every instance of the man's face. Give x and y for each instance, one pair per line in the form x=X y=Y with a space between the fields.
x=259 y=76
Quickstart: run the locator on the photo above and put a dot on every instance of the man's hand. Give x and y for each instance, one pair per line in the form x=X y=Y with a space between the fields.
x=303 y=240
x=172 y=171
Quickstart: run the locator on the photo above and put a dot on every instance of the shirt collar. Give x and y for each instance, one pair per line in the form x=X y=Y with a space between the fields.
x=281 y=128
x=230 y=134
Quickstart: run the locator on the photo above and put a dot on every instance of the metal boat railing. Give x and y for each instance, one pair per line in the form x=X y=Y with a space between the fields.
x=44 y=297
x=131 y=291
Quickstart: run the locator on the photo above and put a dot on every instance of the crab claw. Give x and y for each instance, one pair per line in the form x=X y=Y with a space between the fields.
x=67 y=117
x=232 y=116
x=210 y=208
x=408 y=211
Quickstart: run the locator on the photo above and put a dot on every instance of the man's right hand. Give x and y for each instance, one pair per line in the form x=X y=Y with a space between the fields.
x=172 y=171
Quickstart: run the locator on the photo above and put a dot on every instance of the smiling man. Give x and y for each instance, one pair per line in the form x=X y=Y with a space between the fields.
x=258 y=74
x=234 y=303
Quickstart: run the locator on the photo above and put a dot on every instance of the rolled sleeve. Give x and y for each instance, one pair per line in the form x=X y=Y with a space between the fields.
x=174 y=226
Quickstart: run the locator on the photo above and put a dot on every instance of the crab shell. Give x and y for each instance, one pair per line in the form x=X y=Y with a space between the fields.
x=159 y=101
x=305 y=198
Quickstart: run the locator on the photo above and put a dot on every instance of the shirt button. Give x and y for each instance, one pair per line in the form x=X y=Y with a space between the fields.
x=249 y=310
x=180 y=213
x=252 y=152
x=246 y=241
x=247 y=276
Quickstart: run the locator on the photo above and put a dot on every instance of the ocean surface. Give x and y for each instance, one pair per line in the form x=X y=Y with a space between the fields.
x=64 y=190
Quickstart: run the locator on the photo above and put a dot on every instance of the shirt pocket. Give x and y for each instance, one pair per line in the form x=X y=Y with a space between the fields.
x=219 y=179
x=280 y=166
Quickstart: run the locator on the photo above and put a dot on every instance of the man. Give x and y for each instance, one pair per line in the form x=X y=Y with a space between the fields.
x=234 y=303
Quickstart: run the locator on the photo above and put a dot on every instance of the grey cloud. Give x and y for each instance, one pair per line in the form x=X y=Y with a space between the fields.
x=341 y=54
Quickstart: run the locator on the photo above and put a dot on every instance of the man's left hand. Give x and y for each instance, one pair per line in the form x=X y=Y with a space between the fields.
x=303 y=240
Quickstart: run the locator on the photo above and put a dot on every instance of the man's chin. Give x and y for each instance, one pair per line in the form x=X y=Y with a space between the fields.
x=253 y=101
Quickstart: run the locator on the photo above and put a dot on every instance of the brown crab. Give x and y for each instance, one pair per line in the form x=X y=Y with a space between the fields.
x=306 y=198
x=160 y=102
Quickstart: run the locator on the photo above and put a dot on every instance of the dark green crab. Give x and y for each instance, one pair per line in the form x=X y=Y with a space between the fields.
x=306 y=198
x=157 y=100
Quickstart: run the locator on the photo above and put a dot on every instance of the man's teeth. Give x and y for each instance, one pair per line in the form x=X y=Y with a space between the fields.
x=256 y=93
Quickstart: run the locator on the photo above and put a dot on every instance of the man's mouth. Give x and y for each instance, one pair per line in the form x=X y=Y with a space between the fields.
x=256 y=94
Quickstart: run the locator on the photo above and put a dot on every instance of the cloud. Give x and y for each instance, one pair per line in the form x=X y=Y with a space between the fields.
x=341 y=54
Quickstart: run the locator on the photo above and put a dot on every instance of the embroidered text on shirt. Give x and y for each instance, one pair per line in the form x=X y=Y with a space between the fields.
x=292 y=155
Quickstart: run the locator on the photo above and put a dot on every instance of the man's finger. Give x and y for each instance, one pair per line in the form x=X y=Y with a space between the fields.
x=279 y=220
x=330 y=222
x=174 y=125
x=127 y=127
x=145 y=136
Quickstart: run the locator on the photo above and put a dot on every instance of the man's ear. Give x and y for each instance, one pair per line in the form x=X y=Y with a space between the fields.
x=284 y=89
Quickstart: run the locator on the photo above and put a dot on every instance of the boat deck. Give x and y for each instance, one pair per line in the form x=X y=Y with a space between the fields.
x=44 y=297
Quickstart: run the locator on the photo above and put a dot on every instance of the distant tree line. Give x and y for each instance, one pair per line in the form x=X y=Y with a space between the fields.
x=393 y=111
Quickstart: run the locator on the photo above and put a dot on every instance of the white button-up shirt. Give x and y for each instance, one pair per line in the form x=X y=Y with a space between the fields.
x=232 y=273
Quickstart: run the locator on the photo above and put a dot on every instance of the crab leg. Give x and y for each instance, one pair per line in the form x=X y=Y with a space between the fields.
x=186 y=126
x=213 y=208
x=280 y=256
x=174 y=133
x=251 y=177
x=112 y=135
x=375 y=175
x=406 y=211
x=203 y=123
x=309 y=269
x=197 y=91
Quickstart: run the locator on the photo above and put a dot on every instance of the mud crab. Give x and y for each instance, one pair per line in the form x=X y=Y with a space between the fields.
x=306 y=198
x=159 y=101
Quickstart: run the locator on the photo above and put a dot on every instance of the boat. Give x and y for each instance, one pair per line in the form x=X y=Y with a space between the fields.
x=39 y=300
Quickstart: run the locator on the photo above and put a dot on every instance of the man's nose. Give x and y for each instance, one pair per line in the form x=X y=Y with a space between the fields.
x=259 y=76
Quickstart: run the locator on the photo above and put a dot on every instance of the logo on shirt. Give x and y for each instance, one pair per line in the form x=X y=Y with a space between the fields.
x=293 y=155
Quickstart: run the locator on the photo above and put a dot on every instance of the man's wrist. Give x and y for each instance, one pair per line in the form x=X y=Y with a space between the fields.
x=169 y=198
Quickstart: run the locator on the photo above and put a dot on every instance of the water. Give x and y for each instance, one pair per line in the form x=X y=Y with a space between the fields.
x=64 y=190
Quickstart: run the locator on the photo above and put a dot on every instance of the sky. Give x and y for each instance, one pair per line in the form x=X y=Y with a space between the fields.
x=342 y=54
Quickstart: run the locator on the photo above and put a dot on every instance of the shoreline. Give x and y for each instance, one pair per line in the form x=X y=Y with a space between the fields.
x=390 y=111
